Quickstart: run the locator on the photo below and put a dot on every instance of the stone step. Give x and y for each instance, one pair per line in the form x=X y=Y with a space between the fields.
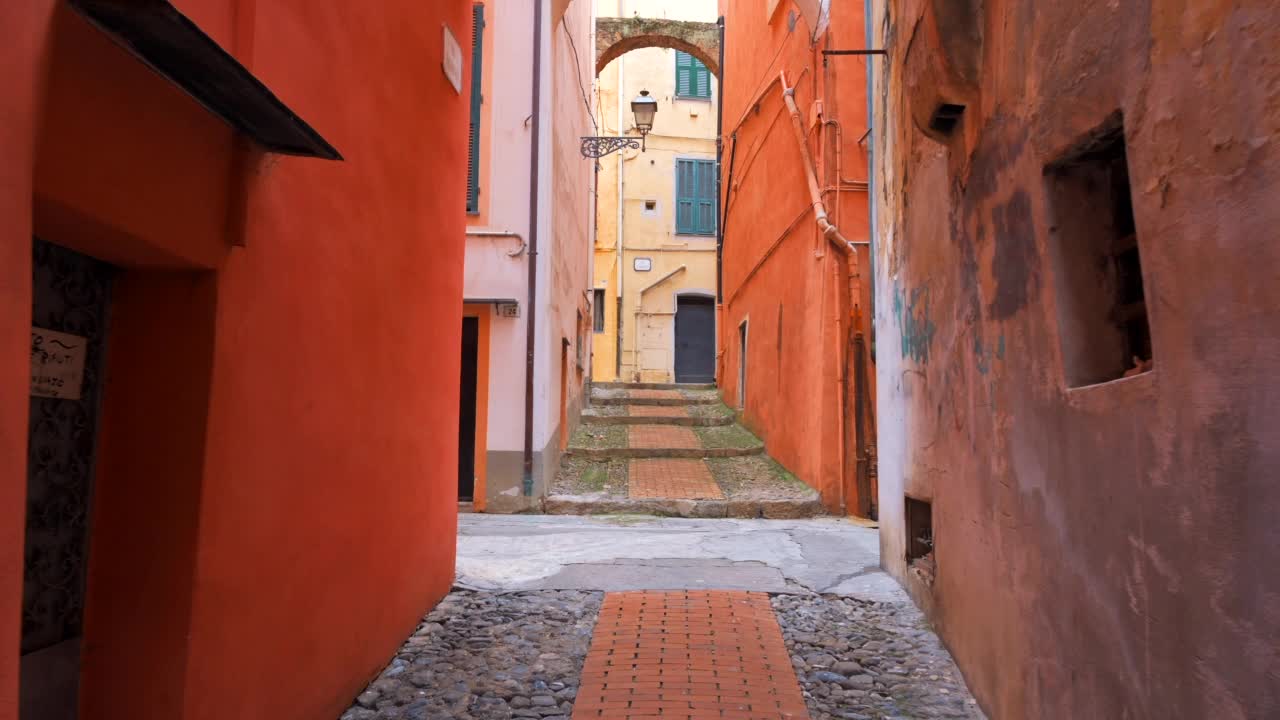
x=653 y=386
x=683 y=420
x=661 y=402
x=633 y=453
x=675 y=507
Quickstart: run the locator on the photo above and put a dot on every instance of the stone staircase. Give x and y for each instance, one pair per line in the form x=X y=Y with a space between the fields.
x=672 y=450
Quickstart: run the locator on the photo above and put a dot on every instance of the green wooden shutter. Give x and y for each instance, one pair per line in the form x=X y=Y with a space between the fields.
x=477 y=97
x=685 y=81
x=706 y=206
x=701 y=80
x=685 y=200
x=695 y=197
x=693 y=79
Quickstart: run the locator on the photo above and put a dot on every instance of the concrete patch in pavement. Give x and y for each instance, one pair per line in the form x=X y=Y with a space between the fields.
x=669 y=574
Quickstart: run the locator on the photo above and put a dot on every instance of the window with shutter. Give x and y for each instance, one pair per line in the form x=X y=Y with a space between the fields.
x=477 y=97
x=693 y=79
x=695 y=197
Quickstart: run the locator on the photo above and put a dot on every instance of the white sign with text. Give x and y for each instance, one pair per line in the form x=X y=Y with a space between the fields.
x=57 y=364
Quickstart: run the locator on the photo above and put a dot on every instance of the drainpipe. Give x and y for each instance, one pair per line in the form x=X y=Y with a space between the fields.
x=531 y=321
x=871 y=165
x=621 y=216
x=867 y=446
x=719 y=161
x=847 y=249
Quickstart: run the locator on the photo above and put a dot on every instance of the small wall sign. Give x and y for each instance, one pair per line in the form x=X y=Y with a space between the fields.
x=509 y=310
x=642 y=264
x=452 y=62
x=57 y=364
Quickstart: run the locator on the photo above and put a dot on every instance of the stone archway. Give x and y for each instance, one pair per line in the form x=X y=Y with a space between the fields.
x=616 y=36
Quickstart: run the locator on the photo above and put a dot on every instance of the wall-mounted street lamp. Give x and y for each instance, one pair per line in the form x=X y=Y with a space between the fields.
x=645 y=108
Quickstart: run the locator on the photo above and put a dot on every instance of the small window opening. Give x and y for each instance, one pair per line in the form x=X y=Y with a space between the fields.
x=946 y=117
x=1097 y=262
x=920 y=544
x=742 y=365
x=597 y=310
x=650 y=205
x=580 y=346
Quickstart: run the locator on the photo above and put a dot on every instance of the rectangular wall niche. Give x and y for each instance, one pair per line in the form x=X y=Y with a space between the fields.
x=919 y=529
x=1102 y=309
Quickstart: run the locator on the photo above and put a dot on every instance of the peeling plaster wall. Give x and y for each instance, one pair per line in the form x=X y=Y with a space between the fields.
x=1105 y=551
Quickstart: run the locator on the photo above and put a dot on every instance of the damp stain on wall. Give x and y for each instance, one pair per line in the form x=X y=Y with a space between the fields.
x=1016 y=264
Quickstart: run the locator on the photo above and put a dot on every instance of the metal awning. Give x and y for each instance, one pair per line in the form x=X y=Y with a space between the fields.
x=175 y=47
x=490 y=301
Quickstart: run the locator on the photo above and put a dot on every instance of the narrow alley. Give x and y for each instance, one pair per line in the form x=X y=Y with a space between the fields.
x=639 y=360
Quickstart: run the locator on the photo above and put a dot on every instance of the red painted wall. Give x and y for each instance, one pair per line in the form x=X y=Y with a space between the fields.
x=21 y=59
x=778 y=275
x=343 y=419
x=275 y=496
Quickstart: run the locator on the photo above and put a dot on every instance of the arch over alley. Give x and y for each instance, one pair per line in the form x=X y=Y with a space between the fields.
x=618 y=36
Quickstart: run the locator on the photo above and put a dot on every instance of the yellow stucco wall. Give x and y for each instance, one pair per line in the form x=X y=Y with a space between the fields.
x=680 y=263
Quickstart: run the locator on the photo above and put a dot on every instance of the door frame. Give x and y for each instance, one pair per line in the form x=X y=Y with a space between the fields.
x=483 y=314
x=715 y=321
x=744 y=330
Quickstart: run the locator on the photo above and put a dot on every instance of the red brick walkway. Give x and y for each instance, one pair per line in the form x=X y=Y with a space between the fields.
x=688 y=655
x=652 y=437
x=655 y=394
x=657 y=411
x=672 y=478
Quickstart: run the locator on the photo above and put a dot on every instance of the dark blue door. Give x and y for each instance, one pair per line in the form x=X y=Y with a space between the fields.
x=695 y=339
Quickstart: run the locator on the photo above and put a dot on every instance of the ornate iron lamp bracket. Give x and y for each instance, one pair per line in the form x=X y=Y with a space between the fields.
x=598 y=147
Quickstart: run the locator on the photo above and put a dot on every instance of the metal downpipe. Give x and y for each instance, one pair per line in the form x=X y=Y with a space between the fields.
x=531 y=303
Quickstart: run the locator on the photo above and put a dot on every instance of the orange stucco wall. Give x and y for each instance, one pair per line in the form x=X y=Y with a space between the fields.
x=274 y=507
x=791 y=289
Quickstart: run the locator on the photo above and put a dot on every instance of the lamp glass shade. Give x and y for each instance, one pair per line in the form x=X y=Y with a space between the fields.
x=644 y=107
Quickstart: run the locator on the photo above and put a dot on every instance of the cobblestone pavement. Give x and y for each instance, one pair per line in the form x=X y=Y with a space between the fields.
x=861 y=660
x=495 y=656
x=514 y=643
x=487 y=656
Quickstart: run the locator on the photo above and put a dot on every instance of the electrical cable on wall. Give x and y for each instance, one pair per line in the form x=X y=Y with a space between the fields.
x=578 y=63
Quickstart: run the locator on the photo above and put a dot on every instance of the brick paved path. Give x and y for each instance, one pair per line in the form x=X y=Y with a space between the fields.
x=662 y=436
x=672 y=478
x=655 y=395
x=657 y=411
x=688 y=655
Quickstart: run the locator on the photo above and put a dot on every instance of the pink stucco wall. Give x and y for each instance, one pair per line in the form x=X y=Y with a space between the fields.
x=563 y=226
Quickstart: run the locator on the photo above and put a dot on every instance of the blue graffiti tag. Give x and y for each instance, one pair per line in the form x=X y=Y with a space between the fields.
x=913 y=320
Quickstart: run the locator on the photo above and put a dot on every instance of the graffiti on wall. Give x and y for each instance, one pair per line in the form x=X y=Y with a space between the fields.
x=911 y=310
